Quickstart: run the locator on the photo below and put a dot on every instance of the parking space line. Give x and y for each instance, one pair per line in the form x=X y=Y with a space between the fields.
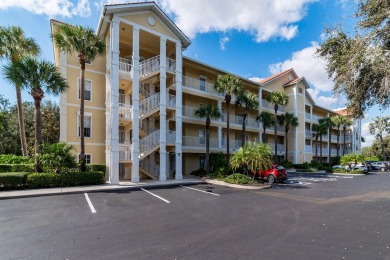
x=167 y=201
x=215 y=194
x=89 y=203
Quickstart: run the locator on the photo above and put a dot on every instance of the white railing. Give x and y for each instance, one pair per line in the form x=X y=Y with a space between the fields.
x=125 y=111
x=233 y=144
x=171 y=65
x=190 y=112
x=145 y=90
x=149 y=66
x=333 y=151
x=280 y=147
x=266 y=104
x=249 y=122
x=149 y=104
x=308 y=133
x=125 y=64
x=171 y=100
x=149 y=141
x=308 y=116
x=147 y=126
x=151 y=167
x=196 y=84
x=124 y=152
x=315 y=118
x=194 y=141
x=171 y=137
x=279 y=128
x=308 y=148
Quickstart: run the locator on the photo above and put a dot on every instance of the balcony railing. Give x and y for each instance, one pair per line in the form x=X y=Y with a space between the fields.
x=194 y=141
x=308 y=116
x=308 y=133
x=308 y=148
x=196 y=84
x=280 y=147
x=171 y=137
x=125 y=111
x=266 y=104
x=171 y=65
x=279 y=128
x=124 y=152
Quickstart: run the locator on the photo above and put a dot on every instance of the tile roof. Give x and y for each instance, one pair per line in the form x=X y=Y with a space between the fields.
x=274 y=76
x=293 y=81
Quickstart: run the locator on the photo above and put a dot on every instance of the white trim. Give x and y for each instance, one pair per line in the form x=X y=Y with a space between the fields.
x=87 y=70
x=86 y=114
x=78 y=89
x=89 y=154
x=89 y=107
x=86 y=144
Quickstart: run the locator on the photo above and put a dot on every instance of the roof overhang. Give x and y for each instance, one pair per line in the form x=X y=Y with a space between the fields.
x=109 y=10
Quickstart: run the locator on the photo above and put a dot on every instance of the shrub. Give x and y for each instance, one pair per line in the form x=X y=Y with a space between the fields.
x=13 y=159
x=219 y=173
x=47 y=180
x=315 y=164
x=96 y=168
x=217 y=160
x=13 y=179
x=306 y=170
x=238 y=178
x=326 y=168
x=287 y=164
x=57 y=157
x=305 y=165
x=199 y=172
x=356 y=171
x=339 y=170
x=17 y=168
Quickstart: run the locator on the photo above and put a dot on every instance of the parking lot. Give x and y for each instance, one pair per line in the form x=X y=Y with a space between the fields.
x=320 y=216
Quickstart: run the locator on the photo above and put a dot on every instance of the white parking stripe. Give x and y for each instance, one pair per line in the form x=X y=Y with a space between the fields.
x=89 y=203
x=167 y=201
x=215 y=194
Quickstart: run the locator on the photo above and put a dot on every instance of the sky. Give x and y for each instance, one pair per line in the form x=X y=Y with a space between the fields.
x=250 y=38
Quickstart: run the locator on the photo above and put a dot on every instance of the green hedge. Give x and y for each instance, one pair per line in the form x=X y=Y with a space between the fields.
x=13 y=159
x=13 y=179
x=238 y=178
x=17 y=168
x=48 y=180
x=96 y=168
x=340 y=170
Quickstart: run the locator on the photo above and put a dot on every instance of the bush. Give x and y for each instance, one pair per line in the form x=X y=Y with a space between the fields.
x=13 y=179
x=48 y=180
x=57 y=157
x=304 y=165
x=287 y=164
x=339 y=170
x=13 y=159
x=315 y=164
x=238 y=178
x=306 y=170
x=326 y=168
x=17 y=168
x=219 y=173
x=356 y=171
x=96 y=168
x=199 y=172
x=217 y=160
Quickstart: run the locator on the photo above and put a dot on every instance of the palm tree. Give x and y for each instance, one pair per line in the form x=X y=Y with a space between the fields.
x=209 y=112
x=346 y=123
x=316 y=134
x=248 y=100
x=337 y=122
x=88 y=46
x=329 y=124
x=14 y=45
x=37 y=77
x=377 y=127
x=228 y=85
x=288 y=120
x=322 y=127
x=277 y=98
x=268 y=120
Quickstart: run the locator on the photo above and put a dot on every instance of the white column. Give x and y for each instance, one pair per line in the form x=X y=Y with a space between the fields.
x=114 y=99
x=296 y=128
x=220 y=128
x=179 y=112
x=163 y=109
x=135 y=112
x=311 y=112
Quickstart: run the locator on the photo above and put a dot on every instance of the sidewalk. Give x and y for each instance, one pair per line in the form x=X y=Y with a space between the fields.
x=13 y=194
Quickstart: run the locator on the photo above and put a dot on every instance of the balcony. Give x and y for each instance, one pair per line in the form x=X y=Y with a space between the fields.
x=146 y=67
x=279 y=128
x=125 y=111
x=124 y=152
x=201 y=86
x=268 y=105
x=308 y=148
x=280 y=148
x=199 y=142
x=308 y=133
x=308 y=116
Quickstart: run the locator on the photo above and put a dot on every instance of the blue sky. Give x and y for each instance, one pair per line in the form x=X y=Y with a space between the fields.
x=251 y=38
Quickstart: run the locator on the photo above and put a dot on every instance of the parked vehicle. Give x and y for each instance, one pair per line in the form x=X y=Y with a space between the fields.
x=274 y=173
x=382 y=166
x=368 y=164
x=361 y=167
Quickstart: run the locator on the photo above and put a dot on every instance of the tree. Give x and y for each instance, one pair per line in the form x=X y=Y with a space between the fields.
x=37 y=77
x=316 y=134
x=228 y=85
x=256 y=156
x=268 y=120
x=358 y=63
x=328 y=124
x=351 y=160
x=323 y=127
x=347 y=122
x=248 y=100
x=277 y=98
x=14 y=45
x=337 y=121
x=368 y=151
x=288 y=120
x=378 y=127
x=88 y=46
x=208 y=111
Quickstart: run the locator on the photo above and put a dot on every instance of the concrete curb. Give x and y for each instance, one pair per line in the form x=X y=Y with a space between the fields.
x=236 y=186
x=16 y=194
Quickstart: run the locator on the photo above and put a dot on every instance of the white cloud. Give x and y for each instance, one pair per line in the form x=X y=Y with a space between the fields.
x=255 y=79
x=52 y=8
x=265 y=19
x=369 y=138
x=223 y=41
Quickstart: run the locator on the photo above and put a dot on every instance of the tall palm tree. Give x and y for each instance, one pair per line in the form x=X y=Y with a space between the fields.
x=377 y=127
x=277 y=98
x=288 y=120
x=248 y=100
x=329 y=124
x=228 y=85
x=84 y=42
x=14 y=45
x=268 y=120
x=337 y=122
x=323 y=128
x=316 y=135
x=347 y=122
x=209 y=112
x=37 y=77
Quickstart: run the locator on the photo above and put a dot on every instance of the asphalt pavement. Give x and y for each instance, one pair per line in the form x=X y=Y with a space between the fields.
x=310 y=217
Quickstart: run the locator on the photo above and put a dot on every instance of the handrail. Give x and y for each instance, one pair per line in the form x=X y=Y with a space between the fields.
x=124 y=152
x=149 y=141
x=151 y=167
x=149 y=104
x=149 y=66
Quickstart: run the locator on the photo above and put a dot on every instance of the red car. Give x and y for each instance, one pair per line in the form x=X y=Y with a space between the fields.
x=274 y=173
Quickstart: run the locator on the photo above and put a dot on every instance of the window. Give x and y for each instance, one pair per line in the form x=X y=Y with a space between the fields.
x=88 y=158
x=202 y=83
x=87 y=90
x=122 y=99
x=300 y=90
x=202 y=161
x=87 y=126
x=202 y=136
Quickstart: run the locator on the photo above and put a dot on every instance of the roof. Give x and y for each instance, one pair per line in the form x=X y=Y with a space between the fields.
x=297 y=80
x=266 y=80
x=108 y=10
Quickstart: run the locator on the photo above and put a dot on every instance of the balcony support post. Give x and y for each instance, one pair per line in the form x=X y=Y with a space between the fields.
x=179 y=112
x=163 y=109
x=220 y=128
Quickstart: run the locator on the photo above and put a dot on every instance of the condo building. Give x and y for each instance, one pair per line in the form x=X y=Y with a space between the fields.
x=141 y=98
